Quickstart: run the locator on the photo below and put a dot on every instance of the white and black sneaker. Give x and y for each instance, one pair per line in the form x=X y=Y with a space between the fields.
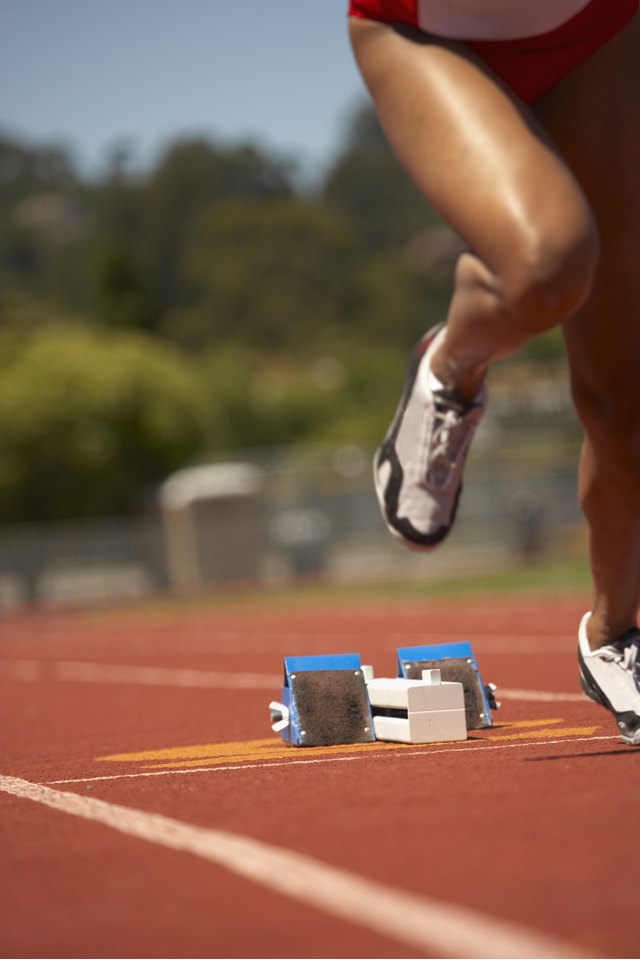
x=418 y=467
x=611 y=677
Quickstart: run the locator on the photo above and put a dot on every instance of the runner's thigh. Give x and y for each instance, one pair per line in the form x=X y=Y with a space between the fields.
x=475 y=152
x=594 y=117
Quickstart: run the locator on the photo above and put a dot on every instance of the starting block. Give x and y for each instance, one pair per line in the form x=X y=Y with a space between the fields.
x=437 y=696
x=324 y=702
x=456 y=663
x=418 y=711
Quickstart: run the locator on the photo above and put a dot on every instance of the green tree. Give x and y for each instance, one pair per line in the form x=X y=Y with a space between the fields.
x=265 y=402
x=395 y=301
x=89 y=420
x=367 y=184
x=27 y=170
x=121 y=292
x=45 y=221
x=189 y=178
x=273 y=275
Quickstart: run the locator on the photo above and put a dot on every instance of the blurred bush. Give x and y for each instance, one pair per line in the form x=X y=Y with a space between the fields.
x=88 y=420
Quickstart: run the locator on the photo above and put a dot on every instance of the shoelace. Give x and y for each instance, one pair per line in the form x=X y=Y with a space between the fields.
x=627 y=656
x=452 y=430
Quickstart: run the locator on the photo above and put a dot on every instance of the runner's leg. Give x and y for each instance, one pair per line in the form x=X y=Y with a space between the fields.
x=480 y=159
x=594 y=116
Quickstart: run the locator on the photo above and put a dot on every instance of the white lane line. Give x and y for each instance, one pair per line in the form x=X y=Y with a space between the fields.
x=162 y=676
x=30 y=671
x=539 y=696
x=80 y=672
x=478 y=746
x=279 y=632
x=423 y=923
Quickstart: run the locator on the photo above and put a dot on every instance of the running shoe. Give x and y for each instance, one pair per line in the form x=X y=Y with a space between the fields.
x=418 y=467
x=611 y=677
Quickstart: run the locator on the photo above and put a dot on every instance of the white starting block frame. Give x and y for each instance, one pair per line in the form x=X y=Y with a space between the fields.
x=416 y=711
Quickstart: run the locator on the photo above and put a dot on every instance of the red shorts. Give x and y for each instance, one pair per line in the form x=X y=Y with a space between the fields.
x=532 y=65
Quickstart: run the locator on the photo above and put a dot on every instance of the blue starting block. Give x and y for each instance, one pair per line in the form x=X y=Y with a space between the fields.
x=456 y=663
x=324 y=702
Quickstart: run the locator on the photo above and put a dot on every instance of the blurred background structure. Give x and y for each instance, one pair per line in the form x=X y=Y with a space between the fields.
x=201 y=346
x=288 y=514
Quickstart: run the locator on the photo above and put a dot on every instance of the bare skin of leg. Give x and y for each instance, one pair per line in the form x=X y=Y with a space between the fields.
x=490 y=169
x=603 y=339
x=484 y=164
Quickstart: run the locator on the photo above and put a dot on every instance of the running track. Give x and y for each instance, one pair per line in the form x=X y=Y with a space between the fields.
x=148 y=811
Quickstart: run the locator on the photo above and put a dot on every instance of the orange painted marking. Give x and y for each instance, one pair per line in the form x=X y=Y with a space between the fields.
x=547 y=722
x=556 y=732
x=251 y=751
x=205 y=754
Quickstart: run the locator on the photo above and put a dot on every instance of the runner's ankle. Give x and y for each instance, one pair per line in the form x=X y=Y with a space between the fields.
x=467 y=383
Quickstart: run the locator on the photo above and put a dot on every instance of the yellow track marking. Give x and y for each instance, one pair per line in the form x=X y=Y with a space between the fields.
x=556 y=732
x=547 y=722
x=238 y=752
x=250 y=751
x=290 y=753
x=222 y=750
x=268 y=745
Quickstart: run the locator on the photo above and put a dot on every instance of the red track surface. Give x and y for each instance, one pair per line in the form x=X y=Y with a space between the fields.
x=532 y=822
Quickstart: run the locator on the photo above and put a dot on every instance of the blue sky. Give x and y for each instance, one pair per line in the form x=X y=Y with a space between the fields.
x=91 y=73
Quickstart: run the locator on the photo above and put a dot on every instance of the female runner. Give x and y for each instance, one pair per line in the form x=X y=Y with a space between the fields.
x=520 y=123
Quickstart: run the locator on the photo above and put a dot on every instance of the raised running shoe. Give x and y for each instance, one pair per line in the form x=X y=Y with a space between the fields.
x=611 y=677
x=418 y=467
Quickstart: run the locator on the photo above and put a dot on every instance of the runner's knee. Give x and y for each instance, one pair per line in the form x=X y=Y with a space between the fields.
x=609 y=408
x=549 y=276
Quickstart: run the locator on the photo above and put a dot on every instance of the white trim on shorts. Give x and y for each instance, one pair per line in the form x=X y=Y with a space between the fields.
x=495 y=19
